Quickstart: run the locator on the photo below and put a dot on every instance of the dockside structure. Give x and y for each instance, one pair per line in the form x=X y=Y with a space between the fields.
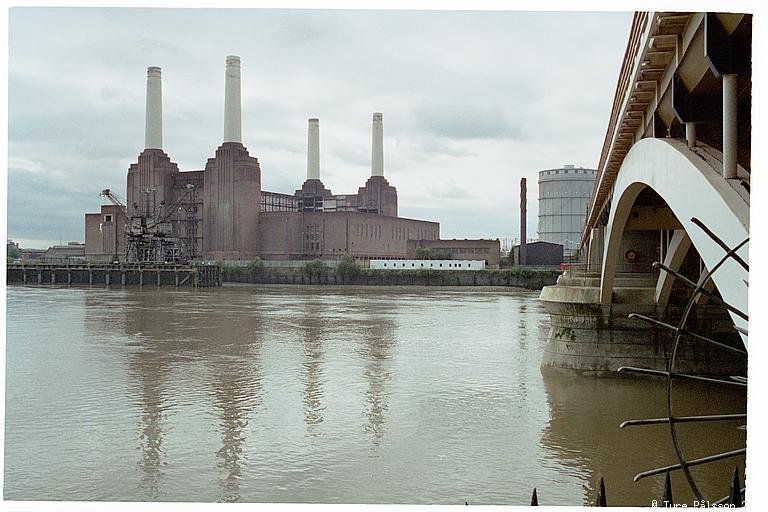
x=222 y=213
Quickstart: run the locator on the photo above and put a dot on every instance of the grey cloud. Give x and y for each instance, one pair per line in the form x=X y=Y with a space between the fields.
x=451 y=191
x=465 y=120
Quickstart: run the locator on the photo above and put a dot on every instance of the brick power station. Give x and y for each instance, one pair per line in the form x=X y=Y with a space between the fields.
x=220 y=212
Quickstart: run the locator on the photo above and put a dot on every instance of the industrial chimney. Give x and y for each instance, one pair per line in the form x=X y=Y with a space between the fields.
x=153 y=129
x=313 y=149
x=523 y=213
x=377 y=146
x=233 y=124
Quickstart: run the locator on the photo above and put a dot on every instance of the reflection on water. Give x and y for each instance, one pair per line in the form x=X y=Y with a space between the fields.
x=236 y=393
x=312 y=331
x=583 y=437
x=293 y=394
x=376 y=348
x=148 y=373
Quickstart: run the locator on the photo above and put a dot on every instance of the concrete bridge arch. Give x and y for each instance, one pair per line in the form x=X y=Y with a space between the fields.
x=690 y=182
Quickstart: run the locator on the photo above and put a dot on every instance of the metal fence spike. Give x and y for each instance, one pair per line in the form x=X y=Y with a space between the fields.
x=601 y=501
x=667 y=496
x=735 y=496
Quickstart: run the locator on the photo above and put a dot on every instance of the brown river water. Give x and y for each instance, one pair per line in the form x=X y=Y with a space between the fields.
x=325 y=395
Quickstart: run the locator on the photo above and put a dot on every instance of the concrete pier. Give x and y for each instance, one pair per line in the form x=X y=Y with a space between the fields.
x=588 y=337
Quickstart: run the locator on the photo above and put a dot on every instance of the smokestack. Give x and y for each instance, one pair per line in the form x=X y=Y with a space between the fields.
x=313 y=149
x=377 y=146
x=233 y=123
x=153 y=129
x=523 y=214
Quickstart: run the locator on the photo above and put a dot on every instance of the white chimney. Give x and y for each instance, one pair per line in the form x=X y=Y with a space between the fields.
x=377 y=146
x=233 y=123
x=313 y=149
x=153 y=129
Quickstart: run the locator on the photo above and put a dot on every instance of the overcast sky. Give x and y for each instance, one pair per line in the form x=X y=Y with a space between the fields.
x=472 y=102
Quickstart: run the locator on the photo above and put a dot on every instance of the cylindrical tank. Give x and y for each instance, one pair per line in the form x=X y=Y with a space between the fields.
x=564 y=195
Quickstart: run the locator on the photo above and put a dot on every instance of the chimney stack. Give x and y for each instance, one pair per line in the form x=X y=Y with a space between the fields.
x=313 y=149
x=523 y=214
x=377 y=146
x=153 y=129
x=233 y=123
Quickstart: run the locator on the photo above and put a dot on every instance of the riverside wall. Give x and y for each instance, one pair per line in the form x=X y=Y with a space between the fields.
x=207 y=275
x=203 y=276
x=519 y=278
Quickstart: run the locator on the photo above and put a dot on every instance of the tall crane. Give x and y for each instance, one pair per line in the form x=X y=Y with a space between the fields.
x=150 y=237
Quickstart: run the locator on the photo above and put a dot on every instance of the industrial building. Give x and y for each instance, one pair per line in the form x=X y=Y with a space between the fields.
x=538 y=254
x=487 y=251
x=564 y=195
x=220 y=212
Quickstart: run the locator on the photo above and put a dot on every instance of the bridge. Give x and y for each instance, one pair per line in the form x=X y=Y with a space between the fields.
x=674 y=171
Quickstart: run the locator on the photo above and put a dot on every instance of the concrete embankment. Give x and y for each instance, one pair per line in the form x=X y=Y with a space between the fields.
x=515 y=277
x=212 y=275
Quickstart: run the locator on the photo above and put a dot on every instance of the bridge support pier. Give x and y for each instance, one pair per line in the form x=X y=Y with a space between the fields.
x=587 y=337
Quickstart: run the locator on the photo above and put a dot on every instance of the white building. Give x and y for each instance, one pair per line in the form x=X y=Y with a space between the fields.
x=428 y=264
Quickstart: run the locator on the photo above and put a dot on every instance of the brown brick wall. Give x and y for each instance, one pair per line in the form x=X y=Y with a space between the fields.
x=488 y=250
x=105 y=238
x=378 y=196
x=232 y=197
x=280 y=235
x=295 y=235
x=153 y=170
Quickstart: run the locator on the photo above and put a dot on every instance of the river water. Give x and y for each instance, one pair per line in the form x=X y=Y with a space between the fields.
x=324 y=394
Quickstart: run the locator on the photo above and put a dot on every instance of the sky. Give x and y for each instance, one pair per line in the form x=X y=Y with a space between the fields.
x=471 y=101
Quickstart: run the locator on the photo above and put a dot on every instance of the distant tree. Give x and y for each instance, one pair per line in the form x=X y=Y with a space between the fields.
x=314 y=268
x=13 y=251
x=256 y=266
x=348 y=269
x=423 y=253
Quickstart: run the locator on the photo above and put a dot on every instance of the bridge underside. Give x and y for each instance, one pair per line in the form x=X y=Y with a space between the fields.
x=661 y=186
